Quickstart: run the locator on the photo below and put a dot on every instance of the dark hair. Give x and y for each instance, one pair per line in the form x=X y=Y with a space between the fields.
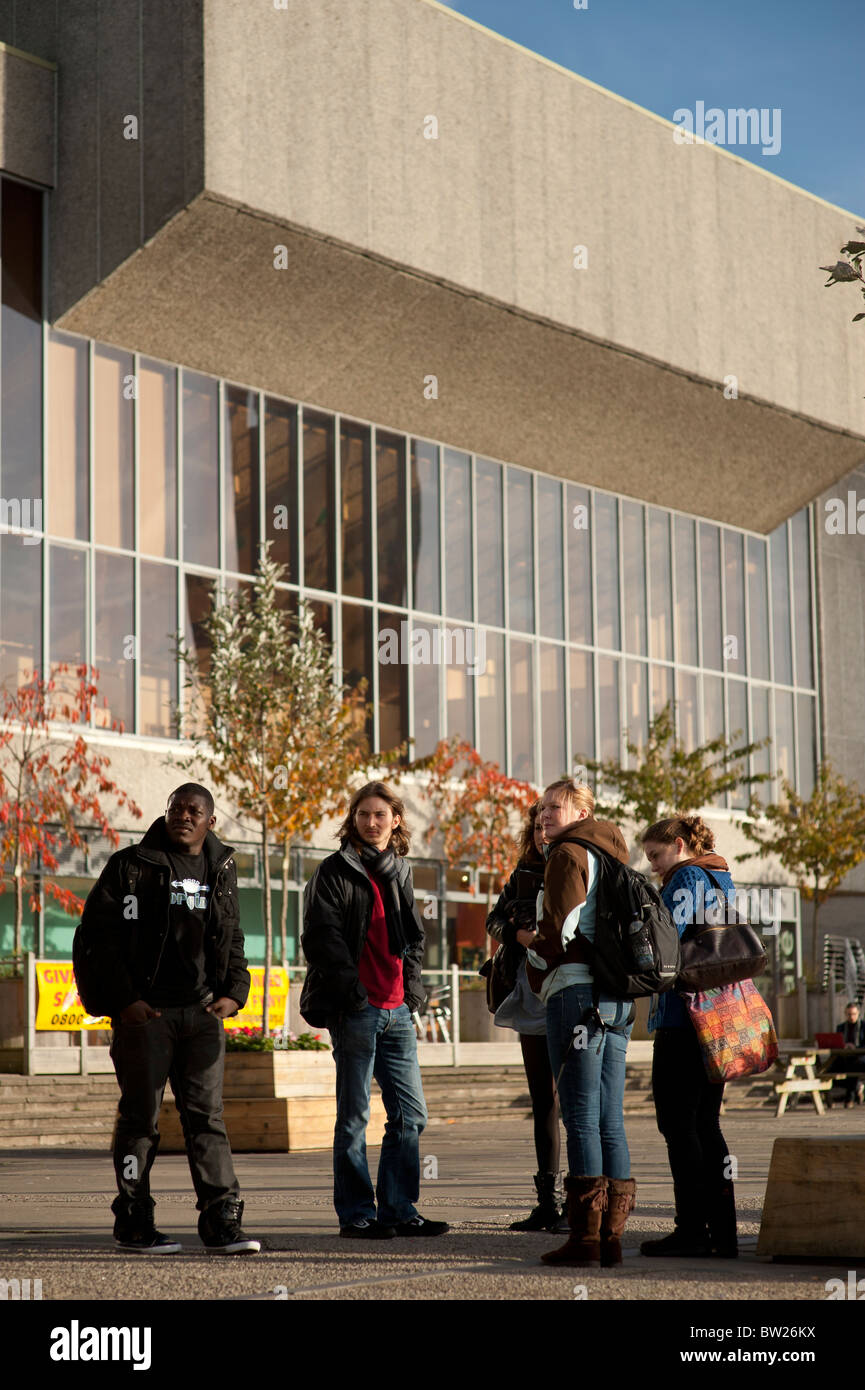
x=694 y=831
x=195 y=789
x=528 y=848
x=400 y=839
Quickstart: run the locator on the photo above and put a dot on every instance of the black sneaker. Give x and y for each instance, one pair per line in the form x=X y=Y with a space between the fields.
x=134 y=1230
x=220 y=1229
x=419 y=1226
x=364 y=1229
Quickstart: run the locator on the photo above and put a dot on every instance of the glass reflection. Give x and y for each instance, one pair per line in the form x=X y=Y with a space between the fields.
x=357 y=658
x=710 y=596
x=582 y=695
x=157 y=465
x=113 y=640
x=686 y=592
x=634 y=576
x=579 y=565
x=199 y=592
x=522 y=710
x=759 y=731
x=687 y=726
x=551 y=578
x=20 y=610
x=800 y=537
x=458 y=534
x=491 y=700
x=783 y=744
x=241 y=480
x=781 y=634
x=355 y=503
x=521 y=570
x=807 y=763
x=425 y=525
x=554 y=755
x=200 y=470
x=609 y=706
x=319 y=493
x=660 y=585
x=280 y=483
x=734 y=594
x=67 y=585
x=459 y=682
x=390 y=487
x=490 y=542
x=758 y=607
x=392 y=684
x=112 y=447
x=737 y=724
x=21 y=343
x=637 y=696
x=157 y=677
x=606 y=558
x=68 y=490
x=426 y=691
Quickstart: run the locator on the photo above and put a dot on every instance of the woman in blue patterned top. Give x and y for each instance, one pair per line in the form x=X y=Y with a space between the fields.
x=694 y=883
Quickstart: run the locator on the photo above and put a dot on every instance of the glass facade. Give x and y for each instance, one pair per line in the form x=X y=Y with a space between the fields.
x=542 y=620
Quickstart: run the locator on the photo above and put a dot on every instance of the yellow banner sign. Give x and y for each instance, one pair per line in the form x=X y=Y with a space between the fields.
x=250 y=1015
x=60 y=1010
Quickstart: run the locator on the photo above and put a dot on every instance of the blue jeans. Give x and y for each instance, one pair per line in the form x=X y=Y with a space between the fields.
x=592 y=1085
x=380 y=1043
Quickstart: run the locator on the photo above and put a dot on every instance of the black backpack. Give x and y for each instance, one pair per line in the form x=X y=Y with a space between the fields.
x=636 y=949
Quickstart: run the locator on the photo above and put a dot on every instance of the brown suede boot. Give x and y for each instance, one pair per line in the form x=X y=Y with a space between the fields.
x=587 y=1200
x=621 y=1199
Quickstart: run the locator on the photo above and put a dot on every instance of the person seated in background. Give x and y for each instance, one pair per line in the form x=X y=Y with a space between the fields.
x=853 y=1031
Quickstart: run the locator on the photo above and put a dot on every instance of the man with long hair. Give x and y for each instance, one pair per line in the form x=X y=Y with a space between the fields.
x=363 y=941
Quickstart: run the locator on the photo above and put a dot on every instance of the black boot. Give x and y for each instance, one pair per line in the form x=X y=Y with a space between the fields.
x=134 y=1228
x=691 y=1234
x=547 y=1215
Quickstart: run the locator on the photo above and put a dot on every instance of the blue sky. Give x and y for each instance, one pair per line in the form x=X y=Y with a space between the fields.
x=806 y=57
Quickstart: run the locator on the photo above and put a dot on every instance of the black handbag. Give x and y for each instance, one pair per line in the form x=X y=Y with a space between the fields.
x=499 y=986
x=722 y=952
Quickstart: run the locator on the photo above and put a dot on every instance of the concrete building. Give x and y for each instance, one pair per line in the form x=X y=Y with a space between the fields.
x=517 y=367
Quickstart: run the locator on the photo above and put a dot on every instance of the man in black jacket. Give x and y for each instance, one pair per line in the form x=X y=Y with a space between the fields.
x=853 y=1030
x=160 y=950
x=363 y=941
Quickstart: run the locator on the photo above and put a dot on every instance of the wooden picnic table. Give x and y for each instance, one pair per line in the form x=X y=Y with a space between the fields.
x=810 y=1083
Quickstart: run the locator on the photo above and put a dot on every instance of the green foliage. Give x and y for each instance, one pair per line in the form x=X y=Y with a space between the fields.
x=254 y=1040
x=664 y=779
x=818 y=839
x=850 y=270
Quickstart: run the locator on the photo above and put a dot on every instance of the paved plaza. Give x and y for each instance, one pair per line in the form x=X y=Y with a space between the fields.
x=56 y=1226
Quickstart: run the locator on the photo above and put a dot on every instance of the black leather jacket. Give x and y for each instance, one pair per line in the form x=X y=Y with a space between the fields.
x=514 y=908
x=337 y=910
x=125 y=922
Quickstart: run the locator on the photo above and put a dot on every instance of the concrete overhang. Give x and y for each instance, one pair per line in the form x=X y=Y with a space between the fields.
x=350 y=331
x=26 y=116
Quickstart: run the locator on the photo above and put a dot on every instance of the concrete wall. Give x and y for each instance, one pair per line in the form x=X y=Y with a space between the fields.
x=315 y=114
x=26 y=116
x=140 y=58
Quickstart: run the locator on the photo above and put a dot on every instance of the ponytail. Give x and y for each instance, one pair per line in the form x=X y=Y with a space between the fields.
x=692 y=829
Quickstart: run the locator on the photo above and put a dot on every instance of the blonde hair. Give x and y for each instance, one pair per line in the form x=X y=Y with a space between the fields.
x=575 y=794
x=694 y=831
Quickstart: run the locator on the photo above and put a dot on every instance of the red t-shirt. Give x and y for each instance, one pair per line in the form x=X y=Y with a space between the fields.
x=380 y=972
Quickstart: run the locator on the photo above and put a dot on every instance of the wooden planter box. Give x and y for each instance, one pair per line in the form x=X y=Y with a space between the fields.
x=275 y=1102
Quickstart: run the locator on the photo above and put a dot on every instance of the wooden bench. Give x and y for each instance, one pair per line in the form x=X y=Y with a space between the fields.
x=808 y=1084
x=815 y=1199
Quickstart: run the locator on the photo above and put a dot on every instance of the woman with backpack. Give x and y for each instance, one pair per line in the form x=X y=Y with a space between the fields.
x=512 y=922
x=587 y=1041
x=687 y=1104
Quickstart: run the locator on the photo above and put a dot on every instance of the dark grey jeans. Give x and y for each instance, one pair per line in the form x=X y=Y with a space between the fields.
x=188 y=1046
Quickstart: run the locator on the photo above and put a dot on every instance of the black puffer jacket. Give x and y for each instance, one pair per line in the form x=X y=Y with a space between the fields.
x=337 y=910
x=125 y=923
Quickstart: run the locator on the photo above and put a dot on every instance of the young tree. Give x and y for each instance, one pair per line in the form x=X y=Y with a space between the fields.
x=817 y=839
x=665 y=778
x=270 y=724
x=476 y=809
x=50 y=778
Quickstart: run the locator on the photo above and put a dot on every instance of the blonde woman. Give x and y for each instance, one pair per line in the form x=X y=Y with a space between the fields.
x=587 y=1045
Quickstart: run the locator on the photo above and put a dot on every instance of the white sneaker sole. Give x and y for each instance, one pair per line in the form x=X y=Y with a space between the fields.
x=239 y=1247
x=173 y=1249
